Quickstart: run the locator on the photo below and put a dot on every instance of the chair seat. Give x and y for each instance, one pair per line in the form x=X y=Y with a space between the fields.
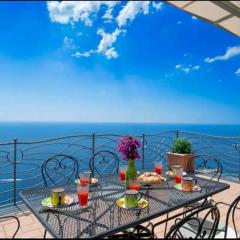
x=190 y=229
x=198 y=203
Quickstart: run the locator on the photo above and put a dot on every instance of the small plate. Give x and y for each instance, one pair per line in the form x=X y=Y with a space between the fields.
x=48 y=203
x=196 y=188
x=94 y=181
x=170 y=174
x=142 y=203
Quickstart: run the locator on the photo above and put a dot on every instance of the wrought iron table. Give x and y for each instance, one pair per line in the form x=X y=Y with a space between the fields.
x=74 y=222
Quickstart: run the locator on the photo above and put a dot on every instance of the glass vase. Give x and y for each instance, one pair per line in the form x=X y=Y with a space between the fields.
x=131 y=173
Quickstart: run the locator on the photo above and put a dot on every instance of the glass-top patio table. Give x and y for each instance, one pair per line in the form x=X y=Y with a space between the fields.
x=76 y=222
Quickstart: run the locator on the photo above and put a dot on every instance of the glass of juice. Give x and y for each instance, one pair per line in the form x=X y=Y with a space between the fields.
x=178 y=179
x=122 y=172
x=134 y=185
x=82 y=192
x=85 y=178
x=158 y=167
x=177 y=173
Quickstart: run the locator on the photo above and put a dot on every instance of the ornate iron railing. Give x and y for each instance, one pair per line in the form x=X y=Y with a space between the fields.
x=20 y=162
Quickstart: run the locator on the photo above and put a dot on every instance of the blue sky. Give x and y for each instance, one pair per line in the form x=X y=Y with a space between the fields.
x=115 y=62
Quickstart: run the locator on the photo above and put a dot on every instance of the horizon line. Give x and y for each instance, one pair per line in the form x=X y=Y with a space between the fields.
x=92 y=122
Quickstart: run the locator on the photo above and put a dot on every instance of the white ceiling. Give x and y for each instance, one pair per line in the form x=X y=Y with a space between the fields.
x=224 y=14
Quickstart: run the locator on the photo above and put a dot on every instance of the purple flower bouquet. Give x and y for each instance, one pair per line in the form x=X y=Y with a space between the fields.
x=128 y=147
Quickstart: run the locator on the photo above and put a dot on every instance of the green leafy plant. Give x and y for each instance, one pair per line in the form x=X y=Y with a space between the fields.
x=182 y=146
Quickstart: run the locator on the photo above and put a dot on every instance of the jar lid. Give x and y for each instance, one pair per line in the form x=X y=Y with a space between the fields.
x=58 y=190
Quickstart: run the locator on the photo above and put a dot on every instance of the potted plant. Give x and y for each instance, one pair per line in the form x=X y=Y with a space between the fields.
x=128 y=147
x=181 y=154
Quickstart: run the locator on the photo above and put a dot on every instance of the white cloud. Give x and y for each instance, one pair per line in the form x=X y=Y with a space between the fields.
x=230 y=52
x=158 y=6
x=68 y=43
x=105 y=45
x=73 y=11
x=196 y=67
x=131 y=10
x=84 y=54
x=108 y=14
x=238 y=72
x=70 y=12
x=187 y=69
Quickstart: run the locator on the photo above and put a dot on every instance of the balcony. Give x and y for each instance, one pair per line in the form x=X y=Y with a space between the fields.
x=20 y=168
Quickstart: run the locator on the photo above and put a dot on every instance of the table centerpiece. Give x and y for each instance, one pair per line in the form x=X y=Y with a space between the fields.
x=128 y=146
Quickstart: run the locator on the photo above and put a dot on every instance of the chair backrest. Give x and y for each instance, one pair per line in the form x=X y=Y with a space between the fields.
x=12 y=226
x=195 y=227
x=103 y=163
x=60 y=169
x=232 y=214
x=205 y=165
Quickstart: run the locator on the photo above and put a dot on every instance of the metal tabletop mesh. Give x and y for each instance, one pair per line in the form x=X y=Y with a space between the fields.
x=77 y=222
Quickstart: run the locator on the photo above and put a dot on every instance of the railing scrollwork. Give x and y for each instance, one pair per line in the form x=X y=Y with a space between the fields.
x=21 y=162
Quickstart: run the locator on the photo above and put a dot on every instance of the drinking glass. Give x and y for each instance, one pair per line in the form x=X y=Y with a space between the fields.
x=177 y=173
x=82 y=192
x=122 y=172
x=158 y=167
x=85 y=178
x=134 y=185
x=178 y=179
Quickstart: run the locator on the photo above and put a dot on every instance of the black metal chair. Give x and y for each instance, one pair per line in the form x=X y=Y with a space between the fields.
x=224 y=229
x=104 y=163
x=60 y=169
x=17 y=223
x=208 y=167
x=191 y=226
x=205 y=165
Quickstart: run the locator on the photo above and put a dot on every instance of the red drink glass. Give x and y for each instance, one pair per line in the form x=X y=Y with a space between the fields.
x=85 y=178
x=158 y=170
x=122 y=173
x=84 y=181
x=178 y=179
x=134 y=185
x=122 y=176
x=82 y=192
x=158 y=167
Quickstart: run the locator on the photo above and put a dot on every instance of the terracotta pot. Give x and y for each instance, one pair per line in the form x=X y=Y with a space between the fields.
x=180 y=159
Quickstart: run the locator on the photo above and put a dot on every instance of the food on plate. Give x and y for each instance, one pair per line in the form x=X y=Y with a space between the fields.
x=151 y=177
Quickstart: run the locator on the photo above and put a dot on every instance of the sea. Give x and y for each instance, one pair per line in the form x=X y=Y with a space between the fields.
x=28 y=175
x=38 y=131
